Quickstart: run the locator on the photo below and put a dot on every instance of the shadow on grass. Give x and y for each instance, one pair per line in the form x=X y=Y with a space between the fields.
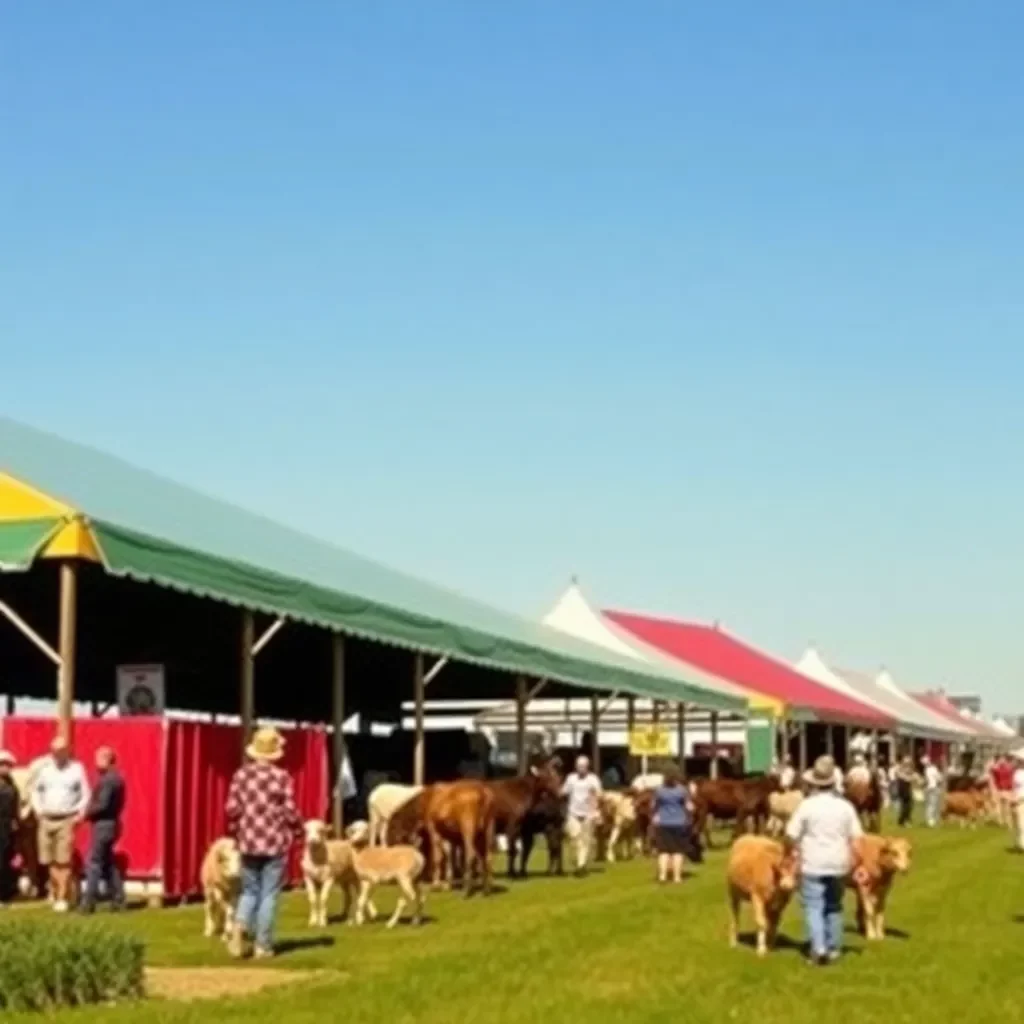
x=1017 y=919
x=286 y=946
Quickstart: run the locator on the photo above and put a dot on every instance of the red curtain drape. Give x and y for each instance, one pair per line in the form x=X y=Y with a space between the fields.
x=201 y=758
x=139 y=745
x=177 y=775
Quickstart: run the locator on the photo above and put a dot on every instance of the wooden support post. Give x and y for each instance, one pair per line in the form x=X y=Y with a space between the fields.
x=873 y=753
x=521 y=724
x=714 y=744
x=830 y=746
x=595 y=736
x=67 y=649
x=338 y=722
x=803 y=747
x=681 y=737
x=10 y=705
x=630 y=726
x=419 y=752
x=847 y=738
x=247 y=703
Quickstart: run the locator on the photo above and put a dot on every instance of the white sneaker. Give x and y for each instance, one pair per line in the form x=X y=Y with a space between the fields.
x=60 y=906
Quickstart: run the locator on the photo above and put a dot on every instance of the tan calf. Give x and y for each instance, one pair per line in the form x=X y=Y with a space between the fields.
x=878 y=861
x=762 y=873
x=380 y=865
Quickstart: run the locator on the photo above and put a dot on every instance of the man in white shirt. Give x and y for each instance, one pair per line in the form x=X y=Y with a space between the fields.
x=59 y=797
x=1018 y=796
x=583 y=788
x=823 y=829
x=932 y=792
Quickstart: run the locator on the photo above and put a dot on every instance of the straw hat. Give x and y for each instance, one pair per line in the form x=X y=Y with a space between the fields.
x=6 y=757
x=823 y=774
x=266 y=744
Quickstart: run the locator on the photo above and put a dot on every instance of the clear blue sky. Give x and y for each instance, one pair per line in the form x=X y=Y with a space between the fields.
x=718 y=305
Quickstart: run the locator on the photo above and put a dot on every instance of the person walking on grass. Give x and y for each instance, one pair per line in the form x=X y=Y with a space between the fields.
x=104 y=813
x=10 y=812
x=932 y=792
x=672 y=822
x=264 y=821
x=59 y=796
x=583 y=789
x=823 y=830
x=1018 y=797
x=904 y=776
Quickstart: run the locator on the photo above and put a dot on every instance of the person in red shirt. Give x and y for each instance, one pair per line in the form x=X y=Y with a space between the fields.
x=1002 y=786
x=264 y=821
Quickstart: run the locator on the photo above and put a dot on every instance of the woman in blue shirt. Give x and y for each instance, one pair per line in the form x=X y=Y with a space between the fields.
x=672 y=819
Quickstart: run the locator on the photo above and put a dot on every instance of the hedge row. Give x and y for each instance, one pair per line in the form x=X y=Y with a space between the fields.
x=65 y=963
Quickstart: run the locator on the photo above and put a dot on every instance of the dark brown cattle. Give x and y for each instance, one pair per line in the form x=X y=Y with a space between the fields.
x=548 y=819
x=867 y=799
x=741 y=801
x=515 y=800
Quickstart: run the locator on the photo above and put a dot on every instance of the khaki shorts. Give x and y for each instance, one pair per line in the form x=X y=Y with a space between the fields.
x=56 y=841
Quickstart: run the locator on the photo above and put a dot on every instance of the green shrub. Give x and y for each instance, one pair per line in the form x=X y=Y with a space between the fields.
x=64 y=963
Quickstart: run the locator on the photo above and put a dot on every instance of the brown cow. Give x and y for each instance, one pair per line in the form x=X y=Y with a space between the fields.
x=742 y=801
x=762 y=873
x=877 y=861
x=459 y=816
x=968 y=806
x=516 y=800
x=867 y=798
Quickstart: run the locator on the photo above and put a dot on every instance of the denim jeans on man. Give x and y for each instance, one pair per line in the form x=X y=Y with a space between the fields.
x=101 y=866
x=262 y=879
x=822 y=898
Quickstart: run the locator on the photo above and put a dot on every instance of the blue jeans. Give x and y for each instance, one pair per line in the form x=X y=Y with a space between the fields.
x=102 y=866
x=822 y=897
x=262 y=879
x=932 y=804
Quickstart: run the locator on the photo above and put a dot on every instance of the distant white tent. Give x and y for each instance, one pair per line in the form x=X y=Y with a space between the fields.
x=882 y=693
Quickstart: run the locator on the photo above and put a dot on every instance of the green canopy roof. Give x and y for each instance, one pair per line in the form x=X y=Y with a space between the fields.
x=152 y=529
x=22 y=540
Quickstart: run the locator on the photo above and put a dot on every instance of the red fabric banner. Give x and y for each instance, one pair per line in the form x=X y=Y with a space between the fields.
x=139 y=745
x=177 y=775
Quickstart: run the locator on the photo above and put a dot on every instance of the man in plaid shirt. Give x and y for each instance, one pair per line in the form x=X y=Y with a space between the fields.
x=264 y=820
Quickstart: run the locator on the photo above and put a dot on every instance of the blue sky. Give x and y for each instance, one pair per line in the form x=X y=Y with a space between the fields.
x=717 y=305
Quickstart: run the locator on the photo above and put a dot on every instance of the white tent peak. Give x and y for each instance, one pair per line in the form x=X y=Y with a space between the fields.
x=573 y=613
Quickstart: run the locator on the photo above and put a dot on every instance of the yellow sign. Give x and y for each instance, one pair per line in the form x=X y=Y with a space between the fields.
x=650 y=741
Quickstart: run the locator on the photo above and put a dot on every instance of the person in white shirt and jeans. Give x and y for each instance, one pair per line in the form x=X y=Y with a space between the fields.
x=823 y=829
x=932 y=792
x=59 y=796
x=1018 y=796
x=583 y=788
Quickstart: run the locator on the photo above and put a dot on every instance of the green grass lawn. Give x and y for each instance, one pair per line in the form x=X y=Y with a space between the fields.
x=615 y=947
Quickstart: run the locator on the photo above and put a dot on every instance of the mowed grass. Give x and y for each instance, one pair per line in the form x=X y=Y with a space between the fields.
x=616 y=947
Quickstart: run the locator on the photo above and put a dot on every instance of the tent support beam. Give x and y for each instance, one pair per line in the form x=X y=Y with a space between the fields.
x=419 y=760
x=248 y=681
x=802 y=736
x=435 y=670
x=714 y=745
x=28 y=632
x=830 y=744
x=541 y=683
x=521 y=699
x=68 y=636
x=338 y=722
x=681 y=739
x=268 y=635
x=595 y=740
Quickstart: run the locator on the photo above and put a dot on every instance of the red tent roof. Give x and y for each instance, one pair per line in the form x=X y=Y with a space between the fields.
x=714 y=650
x=940 y=705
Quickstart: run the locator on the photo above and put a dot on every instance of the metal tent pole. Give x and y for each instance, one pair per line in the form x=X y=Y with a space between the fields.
x=419 y=759
x=595 y=742
x=682 y=737
x=803 y=746
x=521 y=725
x=338 y=721
x=67 y=643
x=714 y=744
x=248 y=682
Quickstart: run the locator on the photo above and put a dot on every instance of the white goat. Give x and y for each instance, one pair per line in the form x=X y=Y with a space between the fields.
x=383 y=802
